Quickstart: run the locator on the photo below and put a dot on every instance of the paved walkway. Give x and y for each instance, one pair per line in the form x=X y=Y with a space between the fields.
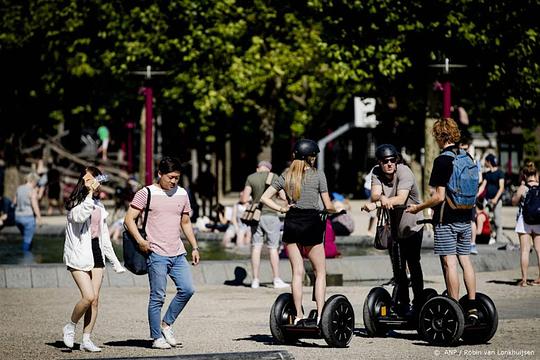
x=229 y=320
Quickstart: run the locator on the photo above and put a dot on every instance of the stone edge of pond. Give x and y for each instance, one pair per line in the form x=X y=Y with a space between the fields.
x=238 y=272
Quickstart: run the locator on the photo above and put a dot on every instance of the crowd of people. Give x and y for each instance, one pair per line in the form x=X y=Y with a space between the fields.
x=295 y=214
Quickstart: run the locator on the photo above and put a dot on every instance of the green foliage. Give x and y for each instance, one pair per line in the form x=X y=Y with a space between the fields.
x=266 y=62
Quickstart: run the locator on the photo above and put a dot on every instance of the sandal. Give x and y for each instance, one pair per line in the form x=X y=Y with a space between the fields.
x=523 y=283
x=536 y=282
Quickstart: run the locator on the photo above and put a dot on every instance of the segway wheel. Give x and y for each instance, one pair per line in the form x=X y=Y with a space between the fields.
x=377 y=298
x=428 y=294
x=488 y=320
x=282 y=313
x=441 y=321
x=337 y=321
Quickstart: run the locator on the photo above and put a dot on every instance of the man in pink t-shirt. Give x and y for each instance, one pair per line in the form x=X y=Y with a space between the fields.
x=169 y=211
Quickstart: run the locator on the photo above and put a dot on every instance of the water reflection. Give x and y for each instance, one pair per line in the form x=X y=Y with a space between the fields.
x=49 y=249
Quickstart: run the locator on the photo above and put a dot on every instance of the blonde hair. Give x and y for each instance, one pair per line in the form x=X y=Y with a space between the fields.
x=294 y=177
x=31 y=177
x=446 y=131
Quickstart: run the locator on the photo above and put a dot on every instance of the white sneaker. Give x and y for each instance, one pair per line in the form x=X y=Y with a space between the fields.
x=90 y=346
x=280 y=284
x=255 y=284
x=69 y=335
x=168 y=334
x=492 y=241
x=161 y=343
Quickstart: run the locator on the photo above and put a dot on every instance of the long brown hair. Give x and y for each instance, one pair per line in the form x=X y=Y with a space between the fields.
x=294 y=177
x=79 y=193
x=528 y=170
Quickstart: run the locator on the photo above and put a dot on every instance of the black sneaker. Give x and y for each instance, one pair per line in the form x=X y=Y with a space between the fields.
x=472 y=316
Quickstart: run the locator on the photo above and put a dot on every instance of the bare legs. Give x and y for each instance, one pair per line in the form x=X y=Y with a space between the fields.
x=317 y=258
x=256 y=260
x=525 y=241
x=451 y=277
x=89 y=284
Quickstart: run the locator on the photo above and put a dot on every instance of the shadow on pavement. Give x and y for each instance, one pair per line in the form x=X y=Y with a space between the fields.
x=240 y=275
x=269 y=340
x=260 y=338
x=503 y=282
x=62 y=346
x=393 y=334
x=131 y=343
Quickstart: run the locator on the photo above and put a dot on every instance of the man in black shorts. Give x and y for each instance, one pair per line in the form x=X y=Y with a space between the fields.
x=452 y=227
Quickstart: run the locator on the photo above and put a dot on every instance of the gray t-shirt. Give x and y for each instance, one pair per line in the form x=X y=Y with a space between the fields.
x=257 y=183
x=403 y=180
x=24 y=201
x=313 y=184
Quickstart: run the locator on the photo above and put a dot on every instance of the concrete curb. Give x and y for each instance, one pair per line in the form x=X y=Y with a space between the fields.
x=238 y=272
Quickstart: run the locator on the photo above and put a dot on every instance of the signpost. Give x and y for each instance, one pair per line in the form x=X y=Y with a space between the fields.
x=363 y=118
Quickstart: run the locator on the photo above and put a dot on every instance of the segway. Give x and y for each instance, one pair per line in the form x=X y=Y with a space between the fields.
x=379 y=307
x=336 y=325
x=379 y=317
x=442 y=320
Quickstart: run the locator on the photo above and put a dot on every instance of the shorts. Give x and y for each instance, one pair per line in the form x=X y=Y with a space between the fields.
x=270 y=226
x=304 y=227
x=523 y=228
x=453 y=238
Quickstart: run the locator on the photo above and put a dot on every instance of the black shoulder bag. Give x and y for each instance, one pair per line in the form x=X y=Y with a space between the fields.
x=134 y=259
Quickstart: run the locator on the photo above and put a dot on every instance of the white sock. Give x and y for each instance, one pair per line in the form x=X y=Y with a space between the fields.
x=85 y=337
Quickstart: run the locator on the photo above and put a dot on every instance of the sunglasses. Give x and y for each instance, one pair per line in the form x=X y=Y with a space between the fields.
x=392 y=160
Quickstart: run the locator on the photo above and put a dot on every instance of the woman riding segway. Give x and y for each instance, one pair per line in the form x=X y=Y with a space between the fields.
x=303 y=232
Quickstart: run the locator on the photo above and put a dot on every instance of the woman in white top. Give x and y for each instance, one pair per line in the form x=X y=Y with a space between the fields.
x=86 y=246
x=527 y=233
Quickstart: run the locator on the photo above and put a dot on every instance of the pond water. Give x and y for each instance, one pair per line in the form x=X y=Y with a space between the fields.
x=49 y=249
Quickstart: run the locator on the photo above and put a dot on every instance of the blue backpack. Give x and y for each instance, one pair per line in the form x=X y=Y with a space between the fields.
x=463 y=185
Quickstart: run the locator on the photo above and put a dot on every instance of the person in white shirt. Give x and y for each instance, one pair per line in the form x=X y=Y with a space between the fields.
x=86 y=245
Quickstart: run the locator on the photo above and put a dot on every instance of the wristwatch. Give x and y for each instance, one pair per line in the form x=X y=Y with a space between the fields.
x=195 y=249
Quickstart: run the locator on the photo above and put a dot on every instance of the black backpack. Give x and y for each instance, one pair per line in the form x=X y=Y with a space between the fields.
x=531 y=206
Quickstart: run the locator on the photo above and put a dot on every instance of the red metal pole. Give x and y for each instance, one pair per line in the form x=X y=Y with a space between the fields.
x=447 y=96
x=130 y=126
x=149 y=132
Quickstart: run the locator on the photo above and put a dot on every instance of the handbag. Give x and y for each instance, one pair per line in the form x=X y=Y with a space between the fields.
x=252 y=214
x=383 y=234
x=134 y=259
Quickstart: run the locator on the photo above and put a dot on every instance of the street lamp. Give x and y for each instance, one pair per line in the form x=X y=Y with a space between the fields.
x=446 y=88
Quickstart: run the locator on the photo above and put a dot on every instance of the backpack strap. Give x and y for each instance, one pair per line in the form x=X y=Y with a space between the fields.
x=147 y=208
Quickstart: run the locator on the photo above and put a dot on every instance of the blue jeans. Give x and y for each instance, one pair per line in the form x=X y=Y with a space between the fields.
x=177 y=267
x=27 y=227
